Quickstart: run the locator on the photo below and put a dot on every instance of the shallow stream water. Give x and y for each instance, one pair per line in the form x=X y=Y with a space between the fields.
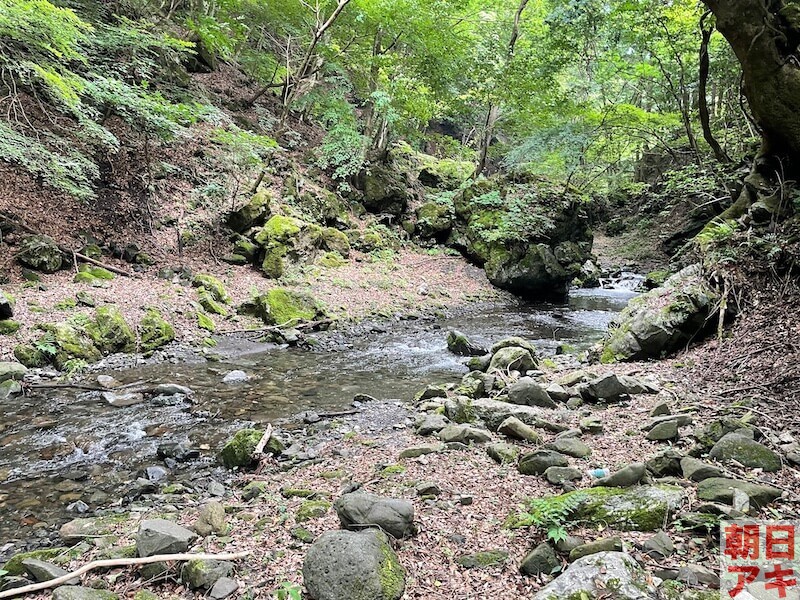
x=66 y=446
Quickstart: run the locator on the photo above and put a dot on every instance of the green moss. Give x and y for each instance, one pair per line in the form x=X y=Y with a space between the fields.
x=298 y=493
x=331 y=260
x=335 y=241
x=66 y=304
x=312 y=509
x=9 y=327
x=70 y=342
x=210 y=305
x=238 y=451
x=145 y=595
x=279 y=229
x=96 y=272
x=154 y=331
x=30 y=356
x=213 y=287
x=290 y=307
x=109 y=331
x=14 y=564
x=390 y=470
x=205 y=322
x=391 y=573
x=273 y=265
x=303 y=534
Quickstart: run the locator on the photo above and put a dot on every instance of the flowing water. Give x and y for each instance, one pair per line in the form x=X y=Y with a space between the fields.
x=65 y=446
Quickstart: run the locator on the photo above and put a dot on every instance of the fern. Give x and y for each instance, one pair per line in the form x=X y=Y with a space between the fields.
x=550 y=514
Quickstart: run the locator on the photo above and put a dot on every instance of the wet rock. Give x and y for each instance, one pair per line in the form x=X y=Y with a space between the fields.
x=512 y=358
x=41 y=253
x=659 y=546
x=74 y=592
x=697 y=470
x=561 y=475
x=172 y=389
x=122 y=400
x=211 y=519
x=459 y=344
x=431 y=424
x=464 y=434
x=570 y=446
x=354 y=565
x=593 y=575
x=483 y=560
x=159 y=536
x=720 y=489
x=203 y=574
x=663 y=432
x=542 y=560
x=41 y=571
x=502 y=453
x=224 y=587
x=421 y=450
x=155 y=473
x=236 y=377
x=746 y=451
x=528 y=392
x=9 y=389
x=514 y=428
x=179 y=451
x=613 y=544
x=358 y=509
x=625 y=477
x=12 y=371
x=538 y=461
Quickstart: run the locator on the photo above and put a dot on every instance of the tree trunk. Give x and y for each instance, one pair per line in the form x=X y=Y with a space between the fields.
x=705 y=117
x=765 y=42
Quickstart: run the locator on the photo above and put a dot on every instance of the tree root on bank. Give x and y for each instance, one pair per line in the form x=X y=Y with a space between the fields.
x=117 y=562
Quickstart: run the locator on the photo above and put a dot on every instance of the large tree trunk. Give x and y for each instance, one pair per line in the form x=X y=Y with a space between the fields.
x=765 y=39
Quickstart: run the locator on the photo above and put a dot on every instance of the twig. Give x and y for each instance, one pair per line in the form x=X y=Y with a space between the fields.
x=262 y=443
x=117 y=562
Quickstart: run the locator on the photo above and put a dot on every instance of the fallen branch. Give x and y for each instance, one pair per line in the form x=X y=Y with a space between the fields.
x=262 y=443
x=333 y=415
x=117 y=562
x=301 y=326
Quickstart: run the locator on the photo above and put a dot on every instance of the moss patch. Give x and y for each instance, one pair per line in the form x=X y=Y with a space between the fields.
x=312 y=509
x=154 y=331
x=238 y=452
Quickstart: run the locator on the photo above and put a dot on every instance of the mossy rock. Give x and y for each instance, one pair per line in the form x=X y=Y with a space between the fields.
x=331 y=260
x=9 y=327
x=335 y=241
x=205 y=322
x=213 y=287
x=70 y=342
x=312 y=509
x=253 y=213
x=30 y=356
x=280 y=306
x=483 y=560
x=154 y=331
x=14 y=564
x=238 y=451
x=96 y=272
x=110 y=332
x=435 y=219
x=280 y=229
x=210 y=305
x=41 y=253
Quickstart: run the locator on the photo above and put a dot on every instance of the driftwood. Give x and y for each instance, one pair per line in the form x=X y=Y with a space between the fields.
x=262 y=443
x=310 y=325
x=116 y=562
x=75 y=255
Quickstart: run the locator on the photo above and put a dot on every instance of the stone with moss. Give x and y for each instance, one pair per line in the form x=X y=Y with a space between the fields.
x=282 y=306
x=203 y=574
x=335 y=241
x=145 y=595
x=96 y=272
x=385 y=189
x=205 y=322
x=238 y=451
x=9 y=327
x=110 y=332
x=735 y=447
x=68 y=341
x=210 y=305
x=154 y=331
x=41 y=253
x=435 y=220
x=331 y=260
x=483 y=560
x=30 y=356
x=353 y=565
x=76 y=592
x=312 y=509
x=14 y=565
x=212 y=287
x=251 y=214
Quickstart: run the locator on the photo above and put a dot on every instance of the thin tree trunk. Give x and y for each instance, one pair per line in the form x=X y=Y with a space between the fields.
x=705 y=118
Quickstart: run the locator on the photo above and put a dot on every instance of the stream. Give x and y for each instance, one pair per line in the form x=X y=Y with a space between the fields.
x=65 y=451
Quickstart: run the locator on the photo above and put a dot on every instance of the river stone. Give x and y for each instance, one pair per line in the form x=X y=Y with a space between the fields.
x=513 y=342
x=720 y=489
x=123 y=400
x=659 y=546
x=625 y=477
x=606 y=387
x=238 y=451
x=746 y=451
x=542 y=560
x=358 y=510
x=613 y=544
x=592 y=576
x=172 y=389
x=9 y=388
x=502 y=453
x=236 y=376
x=663 y=432
x=460 y=344
x=558 y=392
x=224 y=587
x=570 y=446
x=431 y=424
x=74 y=592
x=538 y=461
x=483 y=560
x=514 y=428
x=12 y=371
x=528 y=392
x=641 y=508
x=41 y=571
x=355 y=566
x=661 y=410
x=41 y=253
x=159 y=536
x=697 y=470
x=204 y=573
x=416 y=451
x=211 y=519
x=562 y=475
x=86 y=527
x=464 y=434
x=591 y=425
x=512 y=358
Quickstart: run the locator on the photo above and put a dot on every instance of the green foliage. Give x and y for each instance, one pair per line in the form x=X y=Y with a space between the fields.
x=716 y=233
x=550 y=514
x=288 y=591
x=515 y=220
x=248 y=149
x=342 y=150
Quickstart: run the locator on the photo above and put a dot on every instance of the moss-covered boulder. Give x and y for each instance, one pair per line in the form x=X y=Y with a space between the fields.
x=213 y=287
x=385 y=189
x=255 y=212
x=742 y=449
x=60 y=555
x=312 y=509
x=93 y=275
x=68 y=341
x=30 y=356
x=41 y=253
x=335 y=241
x=110 y=332
x=282 y=306
x=665 y=319
x=12 y=371
x=154 y=331
x=238 y=451
x=285 y=240
x=353 y=565
x=435 y=219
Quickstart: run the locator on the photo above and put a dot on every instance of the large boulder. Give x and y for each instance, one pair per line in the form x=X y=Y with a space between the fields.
x=721 y=489
x=359 y=510
x=744 y=450
x=41 y=253
x=665 y=319
x=110 y=332
x=283 y=306
x=286 y=240
x=159 y=536
x=595 y=575
x=255 y=212
x=12 y=371
x=529 y=392
x=435 y=220
x=512 y=358
x=154 y=331
x=385 y=189
x=353 y=565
